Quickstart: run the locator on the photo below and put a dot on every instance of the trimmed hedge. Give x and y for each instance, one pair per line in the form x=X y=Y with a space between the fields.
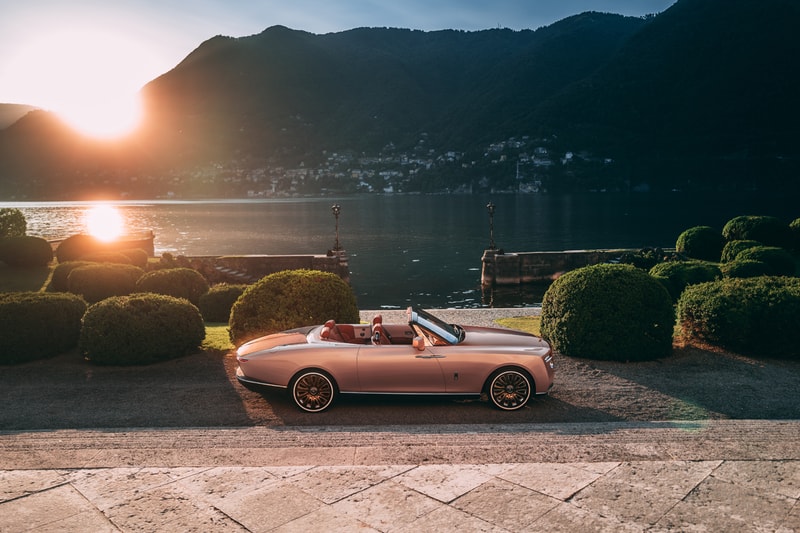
x=677 y=275
x=36 y=325
x=745 y=268
x=216 y=304
x=107 y=257
x=58 y=281
x=97 y=281
x=178 y=282
x=140 y=329
x=612 y=312
x=765 y=229
x=755 y=316
x=700 y=242
x=734 y=248
x=779 y=261
x=25 y=251
x=290 y=299
x=74 y=247
x=137 y=256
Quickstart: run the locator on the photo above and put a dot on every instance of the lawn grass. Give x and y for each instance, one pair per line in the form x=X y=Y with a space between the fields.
x=528 y=324
x=217 y=337
x=24 y=279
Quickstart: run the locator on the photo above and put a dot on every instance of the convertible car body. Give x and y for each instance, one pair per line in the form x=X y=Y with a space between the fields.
x=424 y=356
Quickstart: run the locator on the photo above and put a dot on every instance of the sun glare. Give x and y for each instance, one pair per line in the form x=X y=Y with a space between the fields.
x=89 y=77
x=104 y=222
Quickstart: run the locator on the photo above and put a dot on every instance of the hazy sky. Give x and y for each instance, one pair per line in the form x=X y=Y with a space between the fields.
x=61 y=53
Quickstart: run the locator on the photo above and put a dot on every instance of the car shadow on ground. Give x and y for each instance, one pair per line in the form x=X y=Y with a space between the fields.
x=68 y=392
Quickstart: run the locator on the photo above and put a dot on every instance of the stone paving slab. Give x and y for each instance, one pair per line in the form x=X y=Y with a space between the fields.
x=629 y=496
x=653 y=488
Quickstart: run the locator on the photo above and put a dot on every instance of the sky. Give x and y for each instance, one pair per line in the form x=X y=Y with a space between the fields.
x=88 y=59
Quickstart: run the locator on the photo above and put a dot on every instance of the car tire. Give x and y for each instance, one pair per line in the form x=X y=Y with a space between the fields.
x=509 y=389
x=313 y=391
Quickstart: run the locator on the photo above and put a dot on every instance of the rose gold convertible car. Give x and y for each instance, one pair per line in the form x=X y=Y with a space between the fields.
x=424 y=356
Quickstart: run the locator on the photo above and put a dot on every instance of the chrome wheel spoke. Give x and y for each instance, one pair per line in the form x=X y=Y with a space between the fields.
x=313 y=392
x=510 y=390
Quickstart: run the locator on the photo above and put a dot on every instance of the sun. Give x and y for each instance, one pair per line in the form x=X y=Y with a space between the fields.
x=90 y=77
x=104 y=222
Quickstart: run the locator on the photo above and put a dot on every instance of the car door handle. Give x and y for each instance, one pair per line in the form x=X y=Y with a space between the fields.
x=429 y=356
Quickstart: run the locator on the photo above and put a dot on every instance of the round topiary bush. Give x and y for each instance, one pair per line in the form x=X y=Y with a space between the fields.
x=140 y=329
x=35 y=325
x=677 y=275
x=612 y=312
x=179 y=282
x=58 y=280
x=74 y=247
x=137 y=256
x=700 y=242
x=745 y=269
x=12 y=222
x=25 y=252
x=216 y=304
x=767 y=230
x=290 y=299
x=97 y=281
x=779 y=261
x=733 y=248
x=755 y=316
x=107 y=257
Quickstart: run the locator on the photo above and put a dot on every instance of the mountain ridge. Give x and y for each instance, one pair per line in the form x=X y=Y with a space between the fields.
x=701 y=95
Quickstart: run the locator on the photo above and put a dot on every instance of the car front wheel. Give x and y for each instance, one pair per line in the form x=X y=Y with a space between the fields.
x=509 y=389
x=313 y=391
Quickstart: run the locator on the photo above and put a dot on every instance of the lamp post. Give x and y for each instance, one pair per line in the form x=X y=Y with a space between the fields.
x=336 y=210
x=490 y=208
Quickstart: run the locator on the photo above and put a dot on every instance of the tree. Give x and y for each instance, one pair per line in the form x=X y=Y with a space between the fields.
x=12 y=222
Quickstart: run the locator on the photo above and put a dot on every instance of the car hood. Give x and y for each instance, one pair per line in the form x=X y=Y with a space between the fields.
x=477 y=336
x=271 y=341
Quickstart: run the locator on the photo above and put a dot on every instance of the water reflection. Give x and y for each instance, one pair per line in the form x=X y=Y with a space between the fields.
x=423 y=250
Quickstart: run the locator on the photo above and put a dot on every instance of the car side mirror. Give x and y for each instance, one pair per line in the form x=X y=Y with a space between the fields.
x=419 y=343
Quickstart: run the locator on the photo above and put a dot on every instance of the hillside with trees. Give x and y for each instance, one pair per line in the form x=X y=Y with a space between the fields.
x=699 y=96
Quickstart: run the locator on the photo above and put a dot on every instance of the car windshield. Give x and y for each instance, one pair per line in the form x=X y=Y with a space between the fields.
x=450 y=333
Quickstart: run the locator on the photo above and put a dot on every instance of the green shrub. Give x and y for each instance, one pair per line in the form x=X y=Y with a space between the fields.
x=290 y=299
x=733 y=248
x=745 y=268
x=179 y=282
x=75 y=247
x=646 y=258
x=794 y=228
x=700 y=242
x=756 y=316
x=140 y=329
x=107 y=257
x=58 y=281
x=613 y=312
x=767 y=230
x=12 y=222
x=25 y=251
x=779 y=261
x=216 y=304
x=97 y=281
x=137 y=256
x=36 y=325
x=677 y=275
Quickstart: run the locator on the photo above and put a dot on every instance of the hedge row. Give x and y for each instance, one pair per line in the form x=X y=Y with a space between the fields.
x=38 y=325
x=757 y=316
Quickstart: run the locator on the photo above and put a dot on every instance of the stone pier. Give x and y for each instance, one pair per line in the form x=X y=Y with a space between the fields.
x=514 y=268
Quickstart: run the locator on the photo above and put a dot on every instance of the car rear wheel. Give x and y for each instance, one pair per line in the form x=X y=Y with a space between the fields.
x=509 y=389
x=313 y=391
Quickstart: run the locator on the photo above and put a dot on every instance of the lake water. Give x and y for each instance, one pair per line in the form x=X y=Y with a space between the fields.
x=415 y=249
